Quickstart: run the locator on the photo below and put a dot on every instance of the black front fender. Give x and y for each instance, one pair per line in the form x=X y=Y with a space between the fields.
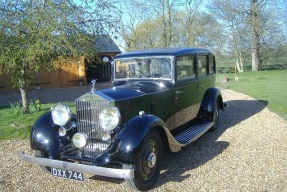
x=133 y=134
x=45 y=137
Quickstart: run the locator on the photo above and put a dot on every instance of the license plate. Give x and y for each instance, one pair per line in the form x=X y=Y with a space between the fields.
x=67 y=174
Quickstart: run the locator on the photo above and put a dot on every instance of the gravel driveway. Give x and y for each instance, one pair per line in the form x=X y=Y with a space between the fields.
x=247 y=153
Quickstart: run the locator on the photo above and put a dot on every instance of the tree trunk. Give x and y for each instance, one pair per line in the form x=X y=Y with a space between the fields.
x=255 y=60
x=241 y=62
x=25 y=106
x=238 y=61
x=23 y=91
x=255 y=37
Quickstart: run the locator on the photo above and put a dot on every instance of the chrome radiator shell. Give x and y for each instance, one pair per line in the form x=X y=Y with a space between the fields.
x=88 y=108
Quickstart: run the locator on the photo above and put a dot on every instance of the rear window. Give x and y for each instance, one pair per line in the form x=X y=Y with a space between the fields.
x=202 y=65
x=211 y=64
x=185 y=67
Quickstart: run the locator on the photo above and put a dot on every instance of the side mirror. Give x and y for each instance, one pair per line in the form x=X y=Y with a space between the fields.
x=106 y=59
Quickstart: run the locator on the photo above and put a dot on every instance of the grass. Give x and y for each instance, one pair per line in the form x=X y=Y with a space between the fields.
x=17 y=125
x=269 y=86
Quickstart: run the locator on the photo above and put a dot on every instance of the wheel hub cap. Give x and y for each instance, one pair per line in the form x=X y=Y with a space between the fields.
x=151 y=160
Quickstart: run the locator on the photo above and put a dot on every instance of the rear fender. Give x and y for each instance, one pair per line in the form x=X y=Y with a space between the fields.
x=211 y=96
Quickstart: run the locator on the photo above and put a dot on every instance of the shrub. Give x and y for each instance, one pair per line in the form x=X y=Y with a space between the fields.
x=16 y=107
x=34 y=105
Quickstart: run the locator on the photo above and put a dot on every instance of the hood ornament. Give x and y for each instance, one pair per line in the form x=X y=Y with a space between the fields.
x=93 y=85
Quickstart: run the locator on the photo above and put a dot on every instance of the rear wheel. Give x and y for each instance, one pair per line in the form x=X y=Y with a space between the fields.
x=215 y=116
x=148 y=163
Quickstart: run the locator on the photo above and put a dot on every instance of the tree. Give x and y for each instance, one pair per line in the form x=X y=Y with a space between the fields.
x=169 y=23
x=35 y=33
x=229 y=14
x=255 y=27
x=189 y=19
x=264 y=20
x=138 y=12
x=147 y=35
x=249 y=29
x=234 y=29
x=164 y=11
x=134 y=13
x=204 y=31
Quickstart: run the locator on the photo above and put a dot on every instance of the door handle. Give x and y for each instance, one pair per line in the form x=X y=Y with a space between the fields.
x=179 y=92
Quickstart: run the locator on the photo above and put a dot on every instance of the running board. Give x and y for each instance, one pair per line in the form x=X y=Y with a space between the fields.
x=194 y=132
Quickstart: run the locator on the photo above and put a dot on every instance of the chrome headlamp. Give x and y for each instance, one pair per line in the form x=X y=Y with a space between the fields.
x=109 y=118
x=61 y=114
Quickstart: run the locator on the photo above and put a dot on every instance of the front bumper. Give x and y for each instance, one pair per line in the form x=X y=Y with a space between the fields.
x=88 y=169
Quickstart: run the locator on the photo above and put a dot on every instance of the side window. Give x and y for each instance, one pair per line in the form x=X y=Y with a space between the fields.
x=211 y=64
x=185 y=67
x=202 y=65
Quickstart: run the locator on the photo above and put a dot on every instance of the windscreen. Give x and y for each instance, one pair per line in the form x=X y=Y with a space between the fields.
x=143 y=68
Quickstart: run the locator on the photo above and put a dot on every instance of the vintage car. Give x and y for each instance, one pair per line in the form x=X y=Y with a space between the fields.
x=161 y=100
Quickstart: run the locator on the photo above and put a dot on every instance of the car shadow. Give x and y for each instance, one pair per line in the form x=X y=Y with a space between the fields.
x=207 y=147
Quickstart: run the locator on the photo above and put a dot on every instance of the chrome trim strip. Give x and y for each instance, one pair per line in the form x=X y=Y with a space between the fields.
x=89 y=169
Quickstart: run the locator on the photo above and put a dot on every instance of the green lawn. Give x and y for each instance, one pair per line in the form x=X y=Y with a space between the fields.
x=270 y=86
x=18 y=126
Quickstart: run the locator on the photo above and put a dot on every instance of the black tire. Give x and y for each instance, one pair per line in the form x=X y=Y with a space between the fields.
x=44 y=155
x=215 y=116
x=148 y=165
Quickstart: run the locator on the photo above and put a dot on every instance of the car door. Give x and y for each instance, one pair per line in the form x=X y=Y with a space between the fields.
x=204 y=79
x=186 y=105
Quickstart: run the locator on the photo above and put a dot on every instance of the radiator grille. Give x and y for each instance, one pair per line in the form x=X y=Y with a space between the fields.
x=88 y=122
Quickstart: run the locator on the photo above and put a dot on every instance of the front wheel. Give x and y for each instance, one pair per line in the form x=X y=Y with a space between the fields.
x=148 y=163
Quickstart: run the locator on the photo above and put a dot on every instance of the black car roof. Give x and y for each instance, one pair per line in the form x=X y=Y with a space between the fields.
x=164 y=51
